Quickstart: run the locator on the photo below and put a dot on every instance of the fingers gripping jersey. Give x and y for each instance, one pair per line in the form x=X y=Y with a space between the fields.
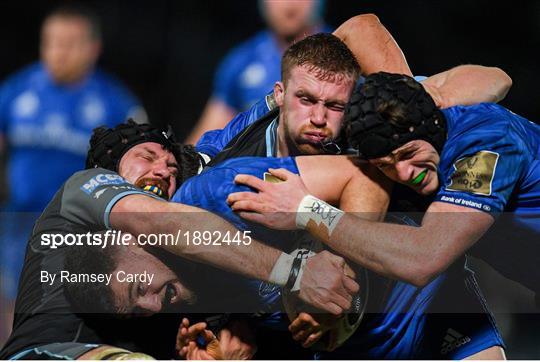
x=210 y=189
x=407 y=319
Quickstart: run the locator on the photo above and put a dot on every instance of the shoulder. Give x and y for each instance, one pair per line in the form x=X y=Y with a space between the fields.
x=484 y=122
x=483 y=132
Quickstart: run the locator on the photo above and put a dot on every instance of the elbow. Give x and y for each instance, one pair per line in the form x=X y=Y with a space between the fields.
x=423 y=272
x=364 y=21
x=505 y=82
x=420 y=280
x=357 y=25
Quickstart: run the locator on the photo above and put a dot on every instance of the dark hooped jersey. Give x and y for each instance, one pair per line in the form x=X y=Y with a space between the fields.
x=42 y=313
x=491 y=162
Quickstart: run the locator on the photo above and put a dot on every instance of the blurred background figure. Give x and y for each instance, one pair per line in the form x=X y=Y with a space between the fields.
x=47 y=113
x=249 y=71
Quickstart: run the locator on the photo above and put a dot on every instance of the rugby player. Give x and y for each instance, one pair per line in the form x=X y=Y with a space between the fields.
x=419 y=318
x=287 y=134
x=250 y=69
x=228 y=181
x=480 y=164
x=334 y=187
x=268 y=129
x=477 y=162
x=365 y=47
x=101 y=198
x=24 y=322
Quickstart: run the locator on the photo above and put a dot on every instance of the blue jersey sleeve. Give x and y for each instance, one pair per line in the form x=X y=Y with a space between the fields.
x=480 y=166
x=210 y=189
x=212 y=142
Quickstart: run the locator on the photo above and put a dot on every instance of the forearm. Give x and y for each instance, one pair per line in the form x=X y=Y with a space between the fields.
x=413 y=254
x=468 y=84
x=255 y=260
x=373 y=46
x=394 y=251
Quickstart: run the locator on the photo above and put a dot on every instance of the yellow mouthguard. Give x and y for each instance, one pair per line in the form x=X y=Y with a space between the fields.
x=153 y=189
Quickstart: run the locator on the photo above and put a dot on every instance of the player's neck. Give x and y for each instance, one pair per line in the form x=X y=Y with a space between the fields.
x=282 y=145
x=282 y=149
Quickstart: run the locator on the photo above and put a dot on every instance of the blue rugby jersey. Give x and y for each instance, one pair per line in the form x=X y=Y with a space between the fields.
x=48 y=126
x=407 y=327
x=491 y=162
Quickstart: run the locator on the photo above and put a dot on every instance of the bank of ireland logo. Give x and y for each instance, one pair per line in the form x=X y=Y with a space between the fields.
x=474 y=174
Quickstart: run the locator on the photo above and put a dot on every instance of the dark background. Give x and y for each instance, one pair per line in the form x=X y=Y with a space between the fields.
x=167 y=51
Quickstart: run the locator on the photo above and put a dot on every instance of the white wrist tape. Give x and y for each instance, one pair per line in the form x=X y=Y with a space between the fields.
x=288 y=269
x=319 y=212
x=281 y=270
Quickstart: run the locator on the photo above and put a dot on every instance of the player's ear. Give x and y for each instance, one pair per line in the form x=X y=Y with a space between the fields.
x=279 y=93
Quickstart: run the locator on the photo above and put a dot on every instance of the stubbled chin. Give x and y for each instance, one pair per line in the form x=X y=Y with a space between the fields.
x=429 y=189
x=309 y=149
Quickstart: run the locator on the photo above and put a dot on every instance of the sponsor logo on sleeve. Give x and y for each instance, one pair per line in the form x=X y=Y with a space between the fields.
x=102 y=179
x=474 y=174
x=465 y=202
